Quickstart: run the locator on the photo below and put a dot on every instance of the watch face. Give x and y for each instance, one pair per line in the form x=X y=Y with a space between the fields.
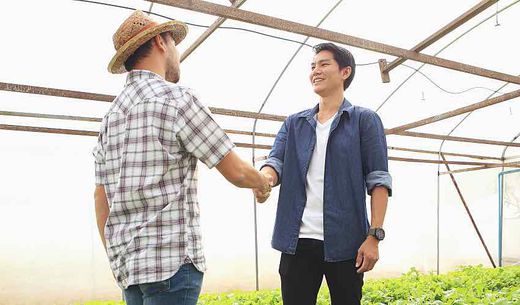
x=380 y=234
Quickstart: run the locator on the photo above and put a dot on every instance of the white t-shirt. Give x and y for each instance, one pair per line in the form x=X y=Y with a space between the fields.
x=312 y=220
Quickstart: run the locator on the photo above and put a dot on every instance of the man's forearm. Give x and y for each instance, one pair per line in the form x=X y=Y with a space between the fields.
x=250 y=177
x=255 y=178
x=378 y=202
x=240 y=173
x=102 y=211
x=368 y=253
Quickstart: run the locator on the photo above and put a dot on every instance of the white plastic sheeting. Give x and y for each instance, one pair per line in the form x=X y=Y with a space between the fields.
x=50 y=250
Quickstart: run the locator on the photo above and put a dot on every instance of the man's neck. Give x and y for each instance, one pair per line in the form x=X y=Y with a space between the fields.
x=330 y=104
x=151 y=66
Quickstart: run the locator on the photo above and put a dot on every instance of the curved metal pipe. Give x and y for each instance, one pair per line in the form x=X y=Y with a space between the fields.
x=505 y=148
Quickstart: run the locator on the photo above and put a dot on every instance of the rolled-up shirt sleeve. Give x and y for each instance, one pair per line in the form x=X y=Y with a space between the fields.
x=374 y=152
x=276 y=156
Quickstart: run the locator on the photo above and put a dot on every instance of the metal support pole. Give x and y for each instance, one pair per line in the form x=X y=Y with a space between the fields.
x=469 y=213
x=501 y=211
x=438 y=216
x=500 y=215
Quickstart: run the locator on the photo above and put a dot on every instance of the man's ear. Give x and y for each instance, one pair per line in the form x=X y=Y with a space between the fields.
x=345 y=72
x=160 y=43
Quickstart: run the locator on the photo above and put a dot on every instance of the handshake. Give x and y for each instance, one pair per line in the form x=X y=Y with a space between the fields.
x=268 y=177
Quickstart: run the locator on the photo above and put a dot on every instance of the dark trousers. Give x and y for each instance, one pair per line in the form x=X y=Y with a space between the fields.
x=301 y=276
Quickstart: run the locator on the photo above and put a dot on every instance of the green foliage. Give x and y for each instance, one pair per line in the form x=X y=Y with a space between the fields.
x=468 y=285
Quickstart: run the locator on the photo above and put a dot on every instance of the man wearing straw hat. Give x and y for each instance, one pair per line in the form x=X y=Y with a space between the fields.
x=325 y=159
x=145 y=160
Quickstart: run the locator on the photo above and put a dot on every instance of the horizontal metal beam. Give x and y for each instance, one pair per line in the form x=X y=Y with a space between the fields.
x=455 y=139
x=50 y=116
x=249 y=133
x=432 y=152
x=442 y=162
x=92 y=119
x=109 y=98
x=238 y=144
x=230 y=131
x=512 y=157
x=212 y=28
x=472 y=12
x=456 y=112
x=91 y=133
x=470 y=169
x=306 y=30
x=413 y=160
x=247 y=114
x=259 y=146
x=219 y=111
x=49 y=130
x=56 y=92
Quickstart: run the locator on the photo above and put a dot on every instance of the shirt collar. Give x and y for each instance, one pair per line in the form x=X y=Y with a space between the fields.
x=346 y=106
x=137 y=75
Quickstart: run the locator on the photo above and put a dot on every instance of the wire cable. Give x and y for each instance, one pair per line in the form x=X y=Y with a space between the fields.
x=367 y=64
x=467 y=115
x=221 y=27
x=444 y=48
x=195 y=24
x=445 y=90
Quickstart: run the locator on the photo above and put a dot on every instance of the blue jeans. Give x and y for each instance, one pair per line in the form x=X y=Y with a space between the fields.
x=181 y=289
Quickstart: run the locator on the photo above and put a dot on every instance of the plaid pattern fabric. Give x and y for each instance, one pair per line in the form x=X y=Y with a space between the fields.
x=146 y=158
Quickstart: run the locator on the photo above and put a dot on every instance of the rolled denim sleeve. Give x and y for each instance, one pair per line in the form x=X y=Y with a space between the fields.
x=374 y=152
x=276 y=156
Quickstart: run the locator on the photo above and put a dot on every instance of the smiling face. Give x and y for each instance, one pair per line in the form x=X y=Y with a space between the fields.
x=326 y=76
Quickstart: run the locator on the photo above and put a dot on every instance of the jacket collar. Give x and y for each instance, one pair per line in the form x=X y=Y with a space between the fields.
x=346 y=106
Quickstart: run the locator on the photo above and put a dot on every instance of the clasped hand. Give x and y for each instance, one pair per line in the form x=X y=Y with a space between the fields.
x=263 y=193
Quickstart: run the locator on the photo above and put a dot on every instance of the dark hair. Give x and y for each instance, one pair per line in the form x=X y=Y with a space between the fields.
x=342 y=56
x=143 y=51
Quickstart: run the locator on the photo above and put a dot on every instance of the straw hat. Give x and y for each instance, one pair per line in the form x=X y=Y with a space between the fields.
x=135 y=31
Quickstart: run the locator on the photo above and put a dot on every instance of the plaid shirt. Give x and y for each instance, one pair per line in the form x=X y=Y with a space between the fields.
x=146 y=158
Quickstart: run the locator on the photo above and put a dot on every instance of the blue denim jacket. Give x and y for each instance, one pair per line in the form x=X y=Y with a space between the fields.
x=356 y=160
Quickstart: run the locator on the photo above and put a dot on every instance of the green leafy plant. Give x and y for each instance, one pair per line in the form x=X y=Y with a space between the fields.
x=467 y=285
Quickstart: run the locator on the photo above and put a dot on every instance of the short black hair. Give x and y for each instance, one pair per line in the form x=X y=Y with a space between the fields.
x=143 y=51
x=342 y=56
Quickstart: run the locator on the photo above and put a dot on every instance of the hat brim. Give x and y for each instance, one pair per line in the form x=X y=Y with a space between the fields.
x=117 y=64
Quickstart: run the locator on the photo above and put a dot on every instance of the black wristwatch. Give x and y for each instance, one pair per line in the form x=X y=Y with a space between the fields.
x=378 y=233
